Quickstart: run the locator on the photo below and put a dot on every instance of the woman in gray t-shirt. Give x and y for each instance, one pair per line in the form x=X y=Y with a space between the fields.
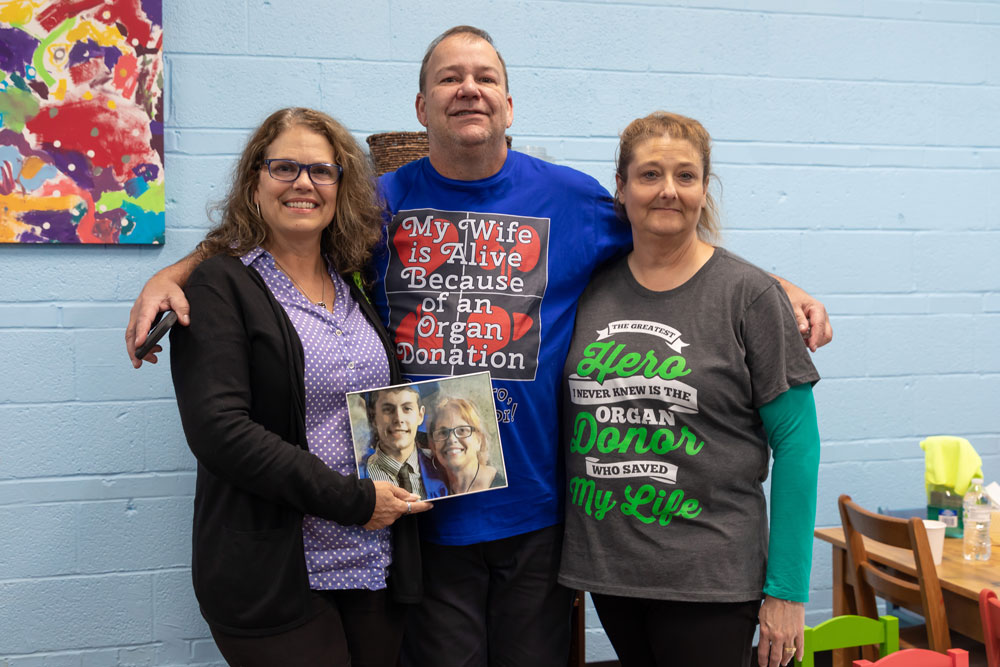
x=686 y=370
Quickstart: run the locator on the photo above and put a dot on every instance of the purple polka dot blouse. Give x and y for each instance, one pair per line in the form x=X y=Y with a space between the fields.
x=342 y=353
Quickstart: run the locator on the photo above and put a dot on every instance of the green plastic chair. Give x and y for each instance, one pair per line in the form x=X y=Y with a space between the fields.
x=849 y=631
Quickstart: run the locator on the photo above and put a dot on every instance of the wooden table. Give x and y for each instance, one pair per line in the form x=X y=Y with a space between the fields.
x=961 y=581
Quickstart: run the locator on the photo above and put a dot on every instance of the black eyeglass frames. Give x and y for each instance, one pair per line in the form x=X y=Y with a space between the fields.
x=461 y=432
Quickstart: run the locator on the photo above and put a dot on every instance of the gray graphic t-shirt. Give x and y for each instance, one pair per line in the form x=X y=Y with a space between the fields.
x=665 y=451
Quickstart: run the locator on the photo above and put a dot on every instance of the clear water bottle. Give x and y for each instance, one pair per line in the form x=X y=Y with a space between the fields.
x=976 y=517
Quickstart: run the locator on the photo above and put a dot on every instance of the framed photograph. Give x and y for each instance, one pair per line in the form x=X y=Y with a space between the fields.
x=437 y=438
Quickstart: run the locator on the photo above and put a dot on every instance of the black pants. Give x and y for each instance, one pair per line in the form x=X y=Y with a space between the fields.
x=354 y=628
x=660 y=633
x=495 y=603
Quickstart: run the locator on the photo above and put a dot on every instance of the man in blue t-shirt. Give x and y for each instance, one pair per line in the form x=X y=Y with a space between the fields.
x=486 y=252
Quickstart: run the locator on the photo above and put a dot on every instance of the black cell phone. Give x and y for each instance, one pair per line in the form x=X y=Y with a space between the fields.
x=161 y=325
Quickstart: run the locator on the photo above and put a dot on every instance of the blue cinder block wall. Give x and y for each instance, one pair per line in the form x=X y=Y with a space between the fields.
x=857 y=144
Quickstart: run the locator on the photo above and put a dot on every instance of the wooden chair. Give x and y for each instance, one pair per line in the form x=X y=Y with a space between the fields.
x=869 y=579
x=920 y=657
x=989 y=612
x=848 y=631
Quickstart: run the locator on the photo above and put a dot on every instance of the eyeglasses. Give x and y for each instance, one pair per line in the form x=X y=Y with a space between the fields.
x=320 y=173
x=462 y=432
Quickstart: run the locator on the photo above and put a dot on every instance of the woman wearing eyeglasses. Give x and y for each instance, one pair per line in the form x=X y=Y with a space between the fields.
x=460 y=447
x=293 y=563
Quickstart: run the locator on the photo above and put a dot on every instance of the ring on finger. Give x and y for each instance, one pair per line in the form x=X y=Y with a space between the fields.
x=408 y=511
x=789 y=649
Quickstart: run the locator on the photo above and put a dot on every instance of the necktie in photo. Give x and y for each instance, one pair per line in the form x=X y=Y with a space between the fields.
x=404 y=478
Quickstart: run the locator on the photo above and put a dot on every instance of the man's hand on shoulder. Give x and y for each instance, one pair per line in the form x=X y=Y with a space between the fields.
x=811 y=316
x=161 y=292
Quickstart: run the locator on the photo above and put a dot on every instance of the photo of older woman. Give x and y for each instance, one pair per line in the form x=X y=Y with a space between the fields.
x=461 y=447
x=686 y=373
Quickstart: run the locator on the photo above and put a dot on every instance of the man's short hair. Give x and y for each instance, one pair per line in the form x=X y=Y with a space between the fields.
x=461 y=30
x=372 y=398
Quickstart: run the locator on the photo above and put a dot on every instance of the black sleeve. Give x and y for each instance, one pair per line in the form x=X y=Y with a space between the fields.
x=210 y=364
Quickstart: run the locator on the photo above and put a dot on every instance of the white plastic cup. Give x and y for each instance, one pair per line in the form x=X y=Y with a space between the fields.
x=935 y=535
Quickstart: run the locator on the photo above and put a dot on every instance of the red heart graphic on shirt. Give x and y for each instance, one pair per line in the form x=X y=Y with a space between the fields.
x=491 y=330
x=522 y=324
x=530 y=249
x=415 y=245
x=485 y=332
x=418 y=330
x=488 y=254
x=496 y=329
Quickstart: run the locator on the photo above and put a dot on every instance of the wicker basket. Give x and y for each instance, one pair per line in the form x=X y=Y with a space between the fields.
x=391 y=150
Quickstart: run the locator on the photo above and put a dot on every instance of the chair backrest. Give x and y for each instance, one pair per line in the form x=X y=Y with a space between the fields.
x=920 y=657
x=846 y=631
x=869 y=579
x=989 y=612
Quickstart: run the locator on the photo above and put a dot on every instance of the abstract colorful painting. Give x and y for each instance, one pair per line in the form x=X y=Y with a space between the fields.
x=81 y=121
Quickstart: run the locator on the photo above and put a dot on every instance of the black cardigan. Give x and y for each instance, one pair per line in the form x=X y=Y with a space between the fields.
x=238 y=375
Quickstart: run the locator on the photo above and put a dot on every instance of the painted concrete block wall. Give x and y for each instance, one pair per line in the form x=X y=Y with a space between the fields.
x=858 y=149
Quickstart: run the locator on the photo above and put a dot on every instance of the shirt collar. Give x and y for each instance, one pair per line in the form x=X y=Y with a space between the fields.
x=252 y=256
x=386 y=462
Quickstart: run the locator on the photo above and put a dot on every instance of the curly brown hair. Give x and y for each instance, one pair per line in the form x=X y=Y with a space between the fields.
x=357 y=221
x=676 y=126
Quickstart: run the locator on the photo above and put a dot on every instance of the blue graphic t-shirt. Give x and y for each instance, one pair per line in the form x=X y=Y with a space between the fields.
x=484 y=276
